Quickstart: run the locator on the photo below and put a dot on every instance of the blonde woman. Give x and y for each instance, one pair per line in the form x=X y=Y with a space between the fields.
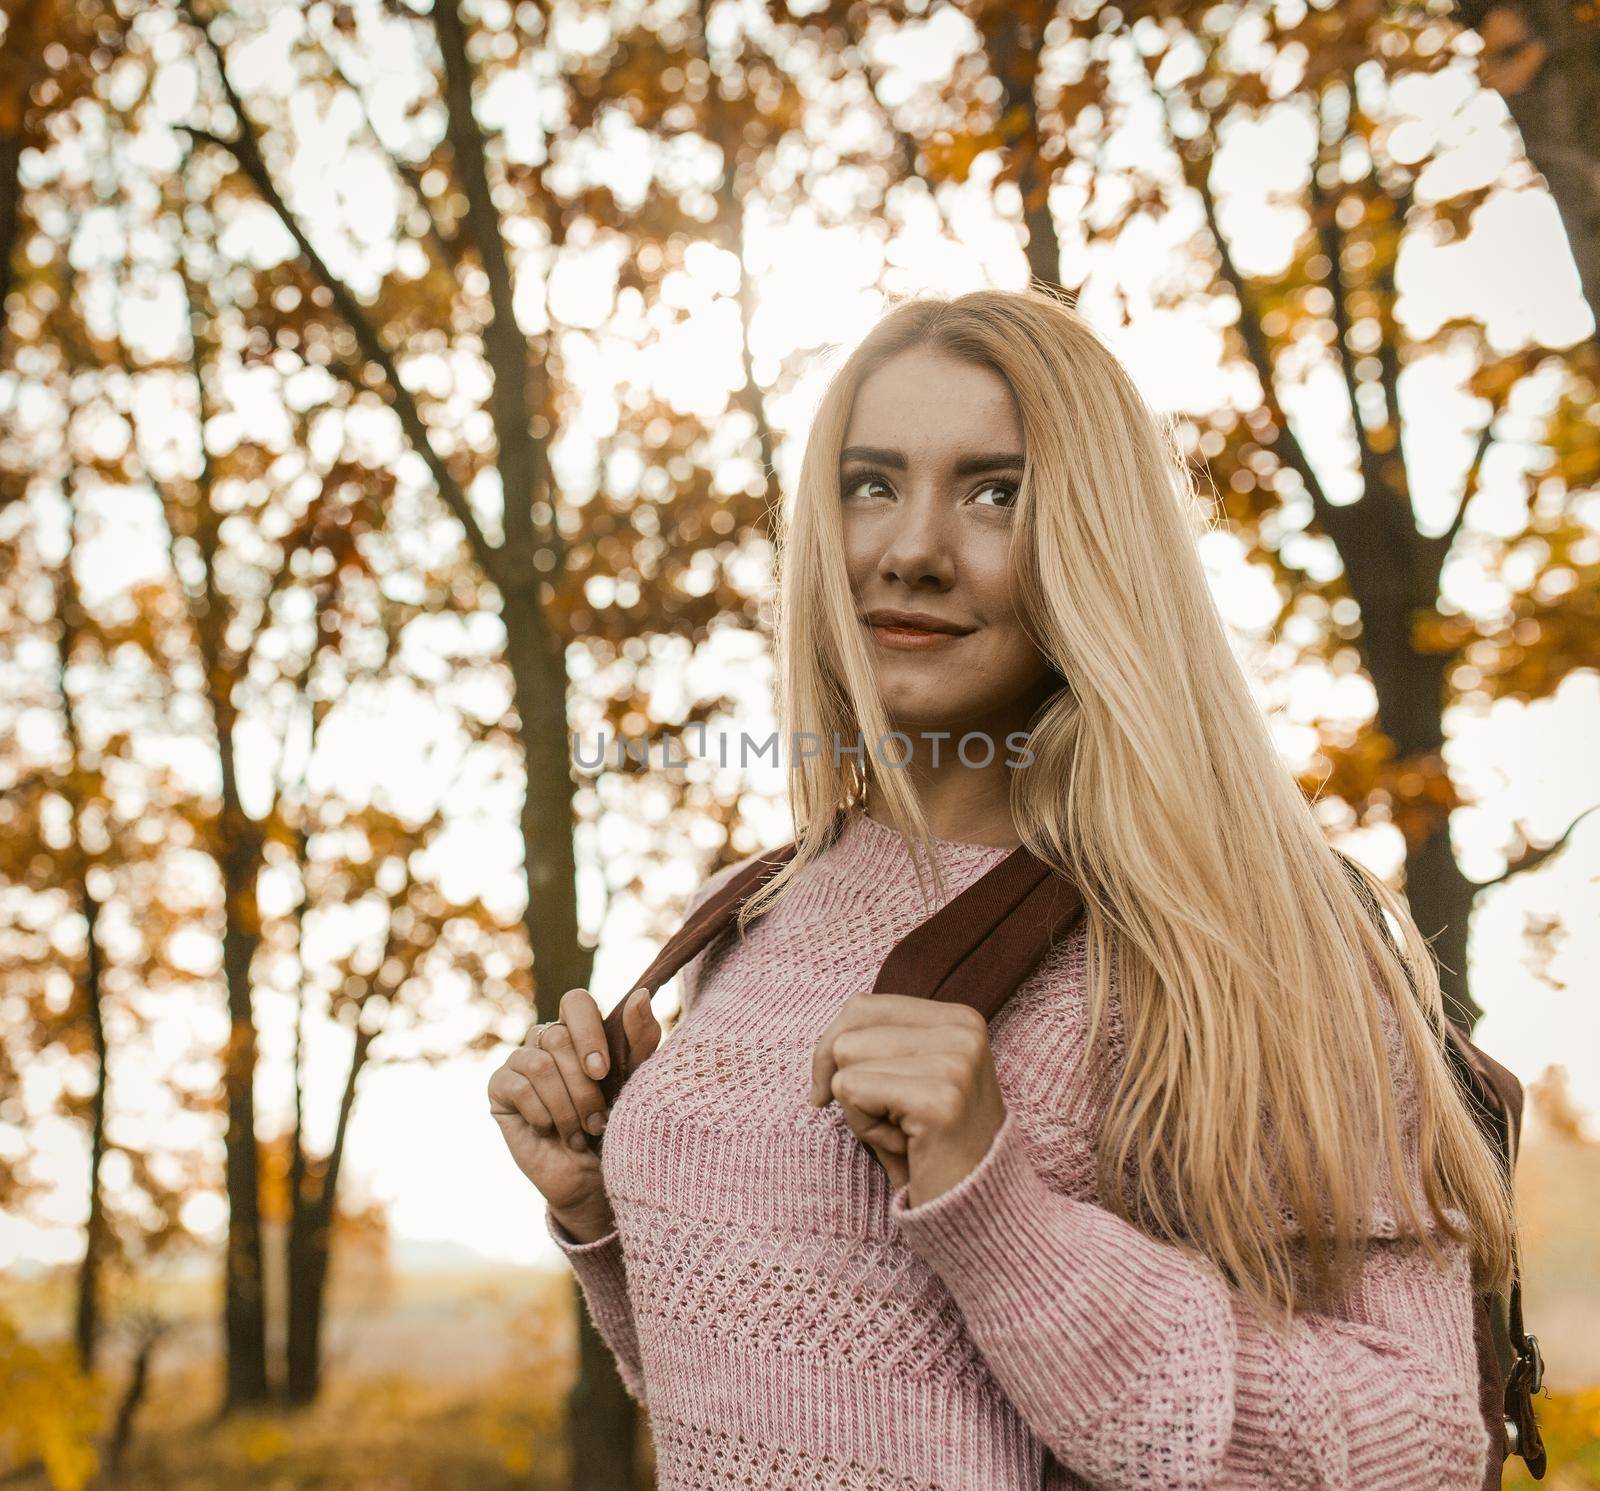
x=1201 y=1206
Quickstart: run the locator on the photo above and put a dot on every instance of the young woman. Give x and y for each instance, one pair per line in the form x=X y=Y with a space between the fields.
x=1201 y=1206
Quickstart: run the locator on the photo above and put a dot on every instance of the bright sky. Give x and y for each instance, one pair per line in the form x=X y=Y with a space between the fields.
x=422 y=1138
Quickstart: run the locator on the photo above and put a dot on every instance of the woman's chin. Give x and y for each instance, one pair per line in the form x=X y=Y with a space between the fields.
x=919 y=713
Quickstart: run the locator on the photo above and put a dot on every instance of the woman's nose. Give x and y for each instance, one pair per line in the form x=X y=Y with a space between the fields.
x=919 y=543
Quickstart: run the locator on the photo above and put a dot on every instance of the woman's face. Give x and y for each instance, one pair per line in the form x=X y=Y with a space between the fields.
x=928 y=478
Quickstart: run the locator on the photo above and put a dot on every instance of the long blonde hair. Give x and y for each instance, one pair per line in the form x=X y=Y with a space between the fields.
x=1257 y=1091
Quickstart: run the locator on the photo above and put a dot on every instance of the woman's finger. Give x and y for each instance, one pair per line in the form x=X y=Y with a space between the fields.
x=581 y=1016
x=953 y=1039
x=588 y=1101
x=640 y=1026
x=548 y=1068
x=511 y=1093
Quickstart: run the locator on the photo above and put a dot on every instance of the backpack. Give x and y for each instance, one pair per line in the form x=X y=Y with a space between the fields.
x=1510 y=1366
x=984 y=942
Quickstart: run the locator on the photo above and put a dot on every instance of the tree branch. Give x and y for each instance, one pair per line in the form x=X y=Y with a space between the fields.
x=1391 y=506
x=1012 y=48
x=1469 y=489
x=1325 y=224
x=10 y=210
x=1533 y=858
x=245 y=149
x=1336 y=522
x=1391 y=500
x=1389 y=345
x=730 y=225
x=906 y=143
x=447 y=245
x=327 y=1195
x=521 y=454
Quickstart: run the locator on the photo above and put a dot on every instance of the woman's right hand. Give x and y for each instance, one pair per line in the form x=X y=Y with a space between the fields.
x=546 y=1095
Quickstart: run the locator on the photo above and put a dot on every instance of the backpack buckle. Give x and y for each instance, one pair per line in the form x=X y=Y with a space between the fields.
x=1535 y=1359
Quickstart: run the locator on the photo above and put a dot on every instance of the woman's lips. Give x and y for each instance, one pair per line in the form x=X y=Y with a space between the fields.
x=909 y=639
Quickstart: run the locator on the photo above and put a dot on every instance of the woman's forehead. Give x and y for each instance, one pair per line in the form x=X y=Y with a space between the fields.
x=923 y=403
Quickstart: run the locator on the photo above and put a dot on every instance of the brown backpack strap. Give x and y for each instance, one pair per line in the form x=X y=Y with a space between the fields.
x=976 y=949
x=1510 y=1367
x=982 y=944
x=709 y=920
x=1497 y=1101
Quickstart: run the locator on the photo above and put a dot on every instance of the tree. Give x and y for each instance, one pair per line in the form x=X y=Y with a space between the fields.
x=261 y=537
x=425 y=961
x=477 y=224
x=83 y=837
x=316 y=523
x=52 y=53
x=1337 y=301
x=1543 y=58
x=1360 y=581
x=79 y=838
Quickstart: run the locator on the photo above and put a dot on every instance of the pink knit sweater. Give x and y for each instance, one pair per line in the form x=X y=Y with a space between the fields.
x=788 y=1322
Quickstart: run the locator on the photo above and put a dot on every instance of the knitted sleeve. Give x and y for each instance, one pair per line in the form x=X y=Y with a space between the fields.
x=599 y=1265
x=603 y=1279
x=1140 y=1367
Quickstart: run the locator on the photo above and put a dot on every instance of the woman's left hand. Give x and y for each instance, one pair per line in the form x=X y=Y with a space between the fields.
x=915 y=1080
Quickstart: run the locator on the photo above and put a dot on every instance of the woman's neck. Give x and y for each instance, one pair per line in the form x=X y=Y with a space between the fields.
x=956 y=813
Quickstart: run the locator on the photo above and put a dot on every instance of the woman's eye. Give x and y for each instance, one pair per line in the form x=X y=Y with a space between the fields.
x=854 y=485
x=1003 y=487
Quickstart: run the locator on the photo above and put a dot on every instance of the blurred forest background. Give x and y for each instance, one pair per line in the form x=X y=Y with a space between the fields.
x=389 y=392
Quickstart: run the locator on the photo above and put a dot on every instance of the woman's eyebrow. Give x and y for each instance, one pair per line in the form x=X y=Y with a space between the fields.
x=966 y=466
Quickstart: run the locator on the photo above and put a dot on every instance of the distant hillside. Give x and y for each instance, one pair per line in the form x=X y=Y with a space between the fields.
x=1558 y=1200
x=413 y=1255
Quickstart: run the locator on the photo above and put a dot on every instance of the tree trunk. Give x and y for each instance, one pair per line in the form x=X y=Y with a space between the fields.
x=540 y=690
x=132 y=1399
x=237 y=851
x=1543 y=58
x=1411 y=697
x=602 y=1420
x=308 y=1252
x=302 y=1347
x=235 y=848
x=87 y=1323
x=603 y=1415
x=1013 y=57
x=729 y=229
x=1441 y=899
x=312 y=1205
x=244 y=1298
x=10 y=204
x=602 y=1435
x=70 y=615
